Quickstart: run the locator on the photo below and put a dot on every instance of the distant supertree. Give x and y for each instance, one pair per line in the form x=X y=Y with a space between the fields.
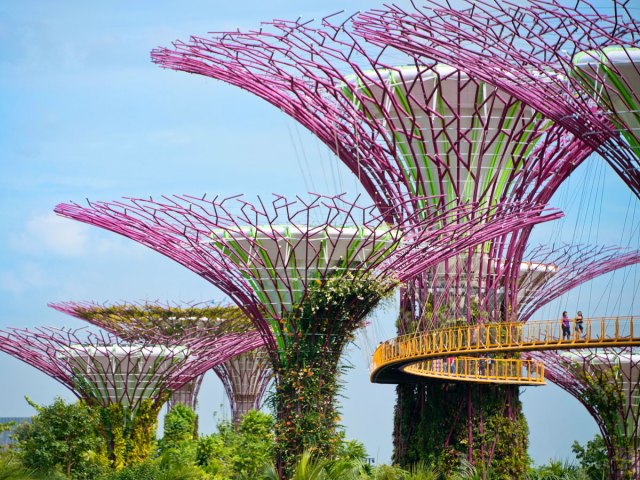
x=244 y=378
x=574 y=64
x=567 y=267
x=607 y=383
x=420 y=129
x=128 y=382
x=307 y=273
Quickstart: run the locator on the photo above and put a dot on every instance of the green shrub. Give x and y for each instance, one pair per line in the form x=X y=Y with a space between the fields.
x=178 y=448
x=149 y=470
x=11 y=467
x=179 y=426
x=238 y=453
x=62 y=438
x=593 y=458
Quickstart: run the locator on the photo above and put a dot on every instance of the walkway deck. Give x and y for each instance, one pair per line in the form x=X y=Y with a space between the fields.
x=391 y=359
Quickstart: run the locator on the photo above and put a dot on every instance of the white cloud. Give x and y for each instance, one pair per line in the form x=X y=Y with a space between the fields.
x=49 y=233
x=28 y=276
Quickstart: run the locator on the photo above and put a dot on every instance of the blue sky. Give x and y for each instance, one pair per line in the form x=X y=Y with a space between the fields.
x=84 y=114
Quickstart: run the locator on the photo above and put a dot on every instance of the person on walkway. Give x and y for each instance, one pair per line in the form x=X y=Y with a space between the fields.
x=566 y=326
x=579 y=324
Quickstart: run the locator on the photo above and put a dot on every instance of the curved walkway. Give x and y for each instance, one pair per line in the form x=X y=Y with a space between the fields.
x=510 y=371
x=391 y=358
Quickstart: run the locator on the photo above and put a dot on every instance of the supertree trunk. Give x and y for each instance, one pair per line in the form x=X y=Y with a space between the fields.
x=573 y=65
x=245 y=379
x=186 y=395
x=437 y=421
x=476 y=420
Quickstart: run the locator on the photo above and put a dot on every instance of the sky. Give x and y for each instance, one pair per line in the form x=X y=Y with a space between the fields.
x=85 y=114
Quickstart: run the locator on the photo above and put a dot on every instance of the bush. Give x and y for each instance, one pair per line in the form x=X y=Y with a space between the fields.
x=153 y=470
x=178 y=447
x=62 y=438
x=179 y=427
x=593 y=458
x=238 y=453
x=11 y=467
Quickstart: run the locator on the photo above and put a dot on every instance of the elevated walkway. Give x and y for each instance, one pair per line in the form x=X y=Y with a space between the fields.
x=509 y=371
x=392 y=358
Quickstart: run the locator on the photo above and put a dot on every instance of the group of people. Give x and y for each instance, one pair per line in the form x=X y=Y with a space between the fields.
x=565 y=323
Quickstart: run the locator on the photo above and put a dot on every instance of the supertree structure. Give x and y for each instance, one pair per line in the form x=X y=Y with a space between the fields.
x=245 y=377
x=573 y=63
x=128 y=382
x=422 y=128
x=306 y=272
x=607 y=383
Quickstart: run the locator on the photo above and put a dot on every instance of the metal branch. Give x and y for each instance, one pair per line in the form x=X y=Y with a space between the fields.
x=576 y=66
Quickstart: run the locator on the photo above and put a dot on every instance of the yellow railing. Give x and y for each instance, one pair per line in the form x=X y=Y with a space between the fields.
x=489 y=338
x=515 y=371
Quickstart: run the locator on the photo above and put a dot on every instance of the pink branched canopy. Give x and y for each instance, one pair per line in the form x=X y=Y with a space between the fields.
x=241 y=376
x=103 y=369
x=572 y=266
x=405 y=131
x=146 y=320
x=265 y=256
x=575 y=65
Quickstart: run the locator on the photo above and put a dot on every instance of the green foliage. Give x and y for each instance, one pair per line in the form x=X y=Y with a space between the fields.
x=162 y=318
x=62 y=438
x=606 y=396
x=154 y=470
x=593 y=458
x=311 y=338
x=148 y=470
x=179 y=426
x=559 y=470
x=113 y=430
x=309 y=467
x=143 y=431
x=436 y=424
x=312 y=468
x=6 y=427
x=388 y=472
x=129 y=434
x=352 y=450
x=11 y=468
x=510 y=459
x=307 y=413
x=238 y=453
x=211 y=454
x=178 y=445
